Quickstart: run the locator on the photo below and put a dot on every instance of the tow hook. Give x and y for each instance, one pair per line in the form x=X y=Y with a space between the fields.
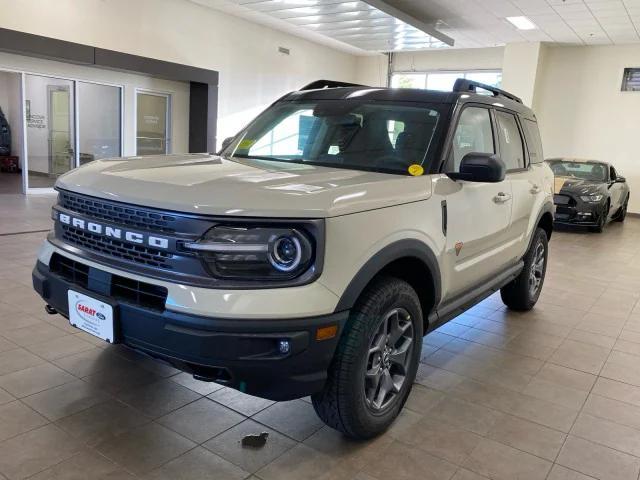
x=50 y=310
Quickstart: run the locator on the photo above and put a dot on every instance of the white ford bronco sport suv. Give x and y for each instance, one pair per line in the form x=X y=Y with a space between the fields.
x=311 y=255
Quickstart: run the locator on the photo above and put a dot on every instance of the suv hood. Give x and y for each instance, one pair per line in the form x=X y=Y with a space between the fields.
x=212 y=185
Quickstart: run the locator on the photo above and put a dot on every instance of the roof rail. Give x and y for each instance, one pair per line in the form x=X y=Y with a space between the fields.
x=464 y=85
x=318 y=84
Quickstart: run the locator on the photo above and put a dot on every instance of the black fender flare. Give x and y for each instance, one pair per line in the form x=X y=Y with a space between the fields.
x=547 y=208
x=400 y=249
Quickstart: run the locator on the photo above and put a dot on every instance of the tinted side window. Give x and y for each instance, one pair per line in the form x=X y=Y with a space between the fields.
x=511 y=147
x=612 y=174
x=534 y=144
x=473 y=134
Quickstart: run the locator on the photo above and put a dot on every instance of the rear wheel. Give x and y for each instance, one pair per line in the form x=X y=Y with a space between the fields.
x=375 y=364
x=522 y=293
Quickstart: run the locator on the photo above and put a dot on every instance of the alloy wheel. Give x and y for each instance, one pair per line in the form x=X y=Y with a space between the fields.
x=537 y=270
x=388 y=359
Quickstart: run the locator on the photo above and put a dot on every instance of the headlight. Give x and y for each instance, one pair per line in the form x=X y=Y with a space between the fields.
x=255 y=253
x=591 y=198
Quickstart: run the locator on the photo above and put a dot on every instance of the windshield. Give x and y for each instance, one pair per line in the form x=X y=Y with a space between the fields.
x=591 y=171
x=342 y=133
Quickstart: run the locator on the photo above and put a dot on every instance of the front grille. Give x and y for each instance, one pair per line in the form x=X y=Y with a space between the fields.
x=566 y=211
x=563 y=200
x=117 y=213
x=116 y=248
x=124 y=289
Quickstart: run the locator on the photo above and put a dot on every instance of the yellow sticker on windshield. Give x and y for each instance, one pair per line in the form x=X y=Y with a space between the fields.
x=416 y=170
x=246 y=144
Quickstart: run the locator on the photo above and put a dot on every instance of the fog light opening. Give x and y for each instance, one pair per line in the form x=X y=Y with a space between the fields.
x=284 y=346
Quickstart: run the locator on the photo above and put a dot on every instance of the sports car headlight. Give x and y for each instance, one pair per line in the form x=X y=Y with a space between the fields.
x=591 y=198
x=255 y=253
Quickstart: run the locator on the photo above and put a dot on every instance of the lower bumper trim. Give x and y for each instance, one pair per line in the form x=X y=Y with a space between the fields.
x=240 y=353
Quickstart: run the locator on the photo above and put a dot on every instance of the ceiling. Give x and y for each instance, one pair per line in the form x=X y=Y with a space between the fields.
x=408 y=25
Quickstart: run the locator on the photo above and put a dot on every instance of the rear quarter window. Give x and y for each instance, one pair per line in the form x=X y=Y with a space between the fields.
x=534 y=143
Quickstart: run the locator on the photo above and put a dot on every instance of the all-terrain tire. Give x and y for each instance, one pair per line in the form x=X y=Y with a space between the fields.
x=341 y=404
x=518 y=294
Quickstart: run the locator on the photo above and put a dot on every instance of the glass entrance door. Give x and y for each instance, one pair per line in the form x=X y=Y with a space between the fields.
x=61 y=156
x=50 y=125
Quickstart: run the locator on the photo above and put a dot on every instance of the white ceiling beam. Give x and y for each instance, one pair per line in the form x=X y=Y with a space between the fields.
x=406 y=18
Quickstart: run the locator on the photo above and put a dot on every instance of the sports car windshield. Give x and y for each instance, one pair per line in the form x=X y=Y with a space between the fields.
x=380 y=136
x=591 y=171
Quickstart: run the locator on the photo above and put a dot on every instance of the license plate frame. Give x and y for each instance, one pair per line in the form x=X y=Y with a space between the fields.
x=92 y=315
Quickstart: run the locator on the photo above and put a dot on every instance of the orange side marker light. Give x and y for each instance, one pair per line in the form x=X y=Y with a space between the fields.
x=326 y=333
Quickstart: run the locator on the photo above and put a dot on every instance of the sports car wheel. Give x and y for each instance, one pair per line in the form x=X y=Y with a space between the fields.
x=602 y=221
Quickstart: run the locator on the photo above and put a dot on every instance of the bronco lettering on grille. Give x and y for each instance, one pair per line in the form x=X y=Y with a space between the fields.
x=113 y=232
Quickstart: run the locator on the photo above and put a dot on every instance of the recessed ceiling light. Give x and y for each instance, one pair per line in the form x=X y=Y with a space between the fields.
x=522 y=23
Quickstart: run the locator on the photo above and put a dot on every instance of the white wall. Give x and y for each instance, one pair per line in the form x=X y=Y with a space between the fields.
x=179 y=93
x=252 y=72
x=456 y=59
x=522 y=62
x=583 y=113
x=373 y=70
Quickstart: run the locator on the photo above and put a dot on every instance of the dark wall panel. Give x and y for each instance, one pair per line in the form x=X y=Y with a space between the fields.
x=44 y=47
x=198 y=117
x=153 y=67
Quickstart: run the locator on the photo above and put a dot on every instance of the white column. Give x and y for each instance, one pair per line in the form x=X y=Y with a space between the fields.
x=520 y=68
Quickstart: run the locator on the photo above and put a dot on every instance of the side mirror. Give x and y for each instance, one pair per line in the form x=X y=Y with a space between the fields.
x=226 y=142
x=620 y=179
x=480 y=167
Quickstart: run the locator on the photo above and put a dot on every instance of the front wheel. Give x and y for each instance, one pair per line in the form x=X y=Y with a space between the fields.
x=602 y=221
x=375 y=363
x=622 y=214
x=522 y=292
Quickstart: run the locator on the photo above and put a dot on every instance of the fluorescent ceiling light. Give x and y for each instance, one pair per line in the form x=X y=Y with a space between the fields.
x=522 y=23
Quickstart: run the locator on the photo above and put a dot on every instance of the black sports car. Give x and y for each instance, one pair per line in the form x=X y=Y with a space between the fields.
x=588 y=192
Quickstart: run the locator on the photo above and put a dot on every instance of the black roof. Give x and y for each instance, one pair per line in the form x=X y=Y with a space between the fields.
x=329 y=90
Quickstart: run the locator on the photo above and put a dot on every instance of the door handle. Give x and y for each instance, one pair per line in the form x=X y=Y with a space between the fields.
x=535 y=189
x=502 y=197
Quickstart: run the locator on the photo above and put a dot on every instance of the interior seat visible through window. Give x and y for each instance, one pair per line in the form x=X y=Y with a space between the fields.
x=412 y=143
x=473 y=134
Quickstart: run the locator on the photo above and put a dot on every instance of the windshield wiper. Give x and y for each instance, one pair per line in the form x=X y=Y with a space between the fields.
x=260 y=157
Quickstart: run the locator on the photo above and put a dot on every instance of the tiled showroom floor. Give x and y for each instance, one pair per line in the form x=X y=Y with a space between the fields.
x=546 y=394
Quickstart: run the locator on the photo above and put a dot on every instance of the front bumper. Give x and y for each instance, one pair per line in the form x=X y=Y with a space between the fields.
x=240 y=353
x=579 y=213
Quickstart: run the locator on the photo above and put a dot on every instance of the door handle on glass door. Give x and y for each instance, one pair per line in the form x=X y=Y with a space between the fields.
x=502 y=197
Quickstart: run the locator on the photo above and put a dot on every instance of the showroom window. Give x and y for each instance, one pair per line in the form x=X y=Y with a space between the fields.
x=443 y=81
x=99 y=125
x=153 y=111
